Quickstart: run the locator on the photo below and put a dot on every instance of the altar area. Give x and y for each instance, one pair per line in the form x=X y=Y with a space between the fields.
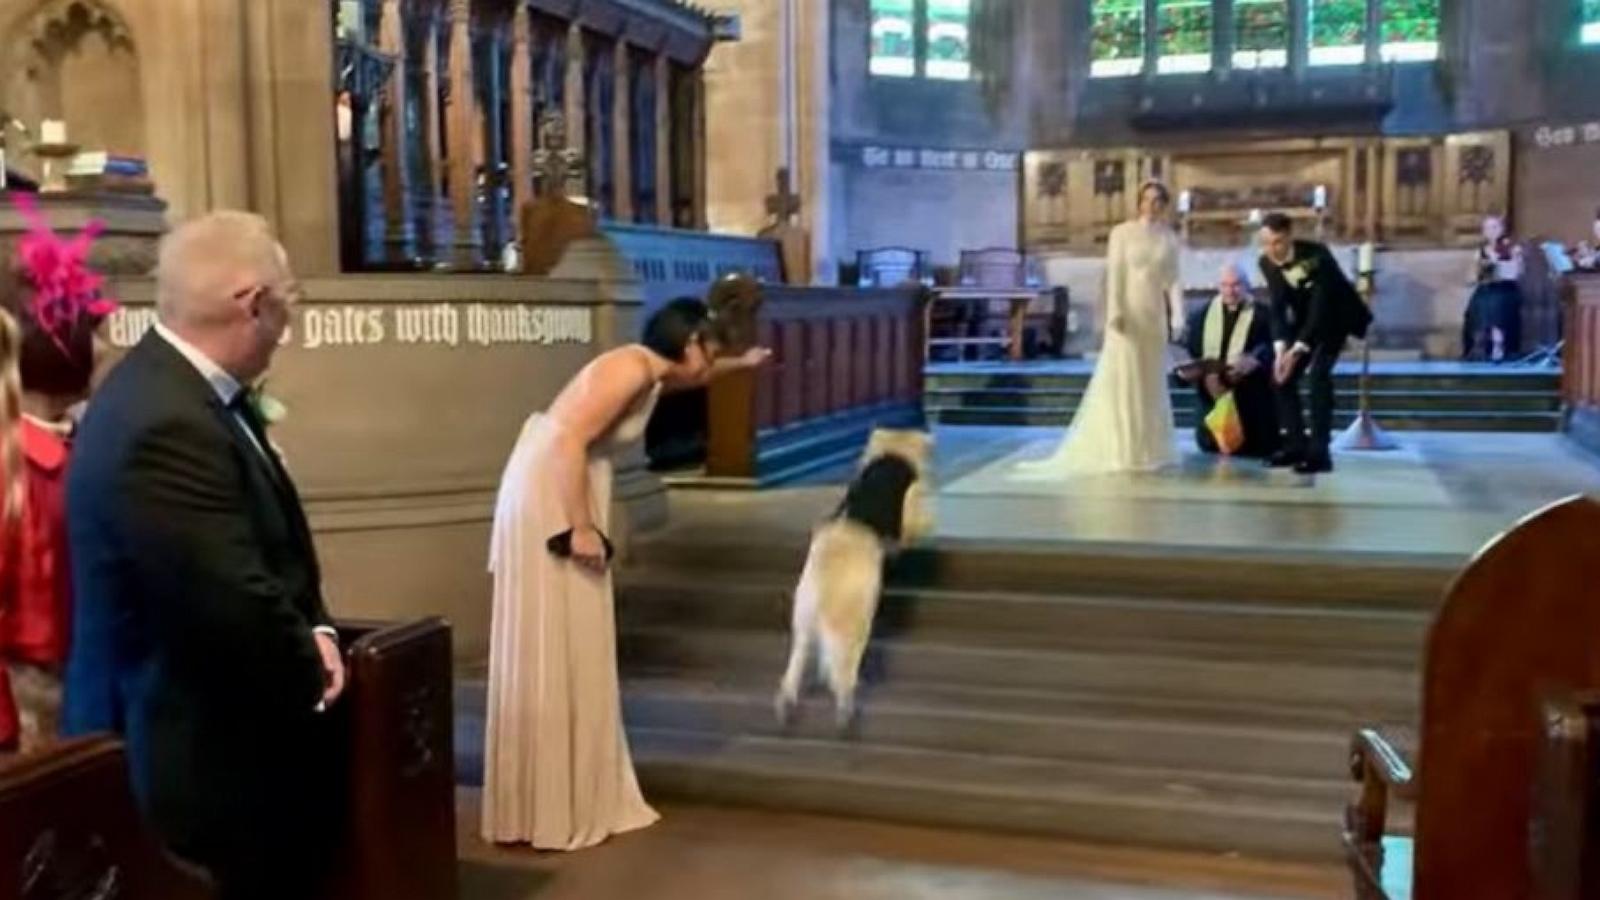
x=1419 y=200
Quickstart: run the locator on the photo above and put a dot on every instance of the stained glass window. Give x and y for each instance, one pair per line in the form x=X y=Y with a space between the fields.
x=1410 y=30
x=1183 y=35
x=1338 y=32
x=894 y=41
x=1118 y=38
x=1591 y=22
x=948 y=49
x=1260 y=34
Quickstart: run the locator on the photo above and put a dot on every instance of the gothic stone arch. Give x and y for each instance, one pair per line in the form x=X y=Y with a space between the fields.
x=75 y=60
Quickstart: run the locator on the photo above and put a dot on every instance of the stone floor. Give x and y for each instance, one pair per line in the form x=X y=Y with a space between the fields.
x=702 y=853
x=1440 y=496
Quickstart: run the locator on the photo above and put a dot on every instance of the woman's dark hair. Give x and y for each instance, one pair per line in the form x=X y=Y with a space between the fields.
x=1157 y=186
x=670 y=329
x=1278 y=223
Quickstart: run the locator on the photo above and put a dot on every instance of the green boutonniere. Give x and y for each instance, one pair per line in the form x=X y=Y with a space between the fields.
x=1299 y=272
x=269 y=409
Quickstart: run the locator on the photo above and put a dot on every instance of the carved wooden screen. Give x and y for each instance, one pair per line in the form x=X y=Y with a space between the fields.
x=1477 y=182
x=1412 y=178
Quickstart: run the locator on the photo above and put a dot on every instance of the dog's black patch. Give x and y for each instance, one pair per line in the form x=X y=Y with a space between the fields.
x=876 y=498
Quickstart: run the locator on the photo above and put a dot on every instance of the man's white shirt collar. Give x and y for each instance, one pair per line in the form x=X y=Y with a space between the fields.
x=226 y=386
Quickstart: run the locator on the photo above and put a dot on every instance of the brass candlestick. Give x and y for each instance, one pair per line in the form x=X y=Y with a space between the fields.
x=54 y=159
x=1365 y=433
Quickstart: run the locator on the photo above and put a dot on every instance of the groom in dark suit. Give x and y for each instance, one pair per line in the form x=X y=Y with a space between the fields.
x=1315 y=310
x=200 y=632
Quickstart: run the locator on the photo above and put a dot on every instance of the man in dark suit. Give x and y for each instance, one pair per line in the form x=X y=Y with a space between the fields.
x=1234 y=332
x=1315 y=310
x=200 y=632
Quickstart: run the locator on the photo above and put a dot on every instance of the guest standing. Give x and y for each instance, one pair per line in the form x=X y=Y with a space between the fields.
x=557 y=772
x=201 y=633
x=1315 y=310
x=50 y=308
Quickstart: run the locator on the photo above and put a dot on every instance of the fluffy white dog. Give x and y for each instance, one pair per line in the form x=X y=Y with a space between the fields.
x=886 y=507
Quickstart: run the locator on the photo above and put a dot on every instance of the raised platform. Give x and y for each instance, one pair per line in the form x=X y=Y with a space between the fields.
x=1406 y=396
x=1172 y=660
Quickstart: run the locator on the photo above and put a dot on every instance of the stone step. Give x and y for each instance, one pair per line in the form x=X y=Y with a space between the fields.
x=1393 y=420
x=1299 y=742
x=1407 y=583
x=1360 y=692
x=1039 y=726
x=1184 y=399
x=1544 y=380
x=1252 y=814
x=1326 y=633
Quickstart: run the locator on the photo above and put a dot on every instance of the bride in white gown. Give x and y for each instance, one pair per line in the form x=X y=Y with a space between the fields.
x=1124 y=423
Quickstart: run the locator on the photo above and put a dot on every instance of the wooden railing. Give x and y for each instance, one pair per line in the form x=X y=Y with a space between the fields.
x=844 y=361
x=1581 y=359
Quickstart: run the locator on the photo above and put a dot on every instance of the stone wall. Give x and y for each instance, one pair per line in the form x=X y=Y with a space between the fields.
x=405 y=395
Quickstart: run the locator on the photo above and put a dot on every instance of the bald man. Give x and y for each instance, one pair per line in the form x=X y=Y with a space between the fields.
x=200 y=632
x=1235 y=331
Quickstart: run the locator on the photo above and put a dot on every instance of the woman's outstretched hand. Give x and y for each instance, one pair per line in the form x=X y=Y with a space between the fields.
x=755 y=357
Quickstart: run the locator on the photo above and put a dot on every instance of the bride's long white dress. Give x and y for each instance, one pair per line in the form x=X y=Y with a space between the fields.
x=1124 y=423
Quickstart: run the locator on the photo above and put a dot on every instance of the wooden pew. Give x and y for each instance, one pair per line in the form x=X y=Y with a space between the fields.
x=1565 y=837
x=398 y=713
x=69 y=829
x=1517 y=630
x=68 y=821
x=1580 y=373
x=844 y=361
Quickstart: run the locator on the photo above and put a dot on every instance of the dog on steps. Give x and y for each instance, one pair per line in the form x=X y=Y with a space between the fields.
x=885 y=508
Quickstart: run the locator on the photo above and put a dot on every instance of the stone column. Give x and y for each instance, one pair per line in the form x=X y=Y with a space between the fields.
x=521 y=109
x=466 y=244
x=432 y=124
x=293 y=170
x=399 y=234
x=663 y=75
x=622 y=198
x=698 y=94
x=813 y=158
x=577 y=132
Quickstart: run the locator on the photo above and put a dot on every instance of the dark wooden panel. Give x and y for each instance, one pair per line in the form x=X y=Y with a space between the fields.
x=839 y=354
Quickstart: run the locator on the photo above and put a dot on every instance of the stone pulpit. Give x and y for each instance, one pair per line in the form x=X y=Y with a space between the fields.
x=134 y=224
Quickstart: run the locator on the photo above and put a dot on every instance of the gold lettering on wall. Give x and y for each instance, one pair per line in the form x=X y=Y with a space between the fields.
x=437 y=325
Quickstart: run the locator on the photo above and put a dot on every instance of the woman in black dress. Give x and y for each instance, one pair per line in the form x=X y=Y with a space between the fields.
x=1493 y=327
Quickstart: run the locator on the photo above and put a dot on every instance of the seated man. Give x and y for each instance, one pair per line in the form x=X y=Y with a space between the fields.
x=1230 y=339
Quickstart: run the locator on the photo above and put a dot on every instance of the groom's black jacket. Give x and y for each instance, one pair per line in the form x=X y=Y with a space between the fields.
x=1323 y=308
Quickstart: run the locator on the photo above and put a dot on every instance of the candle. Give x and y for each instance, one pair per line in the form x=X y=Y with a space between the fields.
x=1319 y=197
x=1184 y=201
x=52 y=131
x=1366 y=262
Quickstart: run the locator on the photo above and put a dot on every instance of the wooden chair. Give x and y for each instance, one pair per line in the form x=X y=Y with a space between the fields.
x=69 y=829
x=892 y=267
x=1519 y=628
x=991 y=281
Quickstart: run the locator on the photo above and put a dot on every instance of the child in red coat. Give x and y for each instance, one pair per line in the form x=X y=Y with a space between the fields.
x=50 y=309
